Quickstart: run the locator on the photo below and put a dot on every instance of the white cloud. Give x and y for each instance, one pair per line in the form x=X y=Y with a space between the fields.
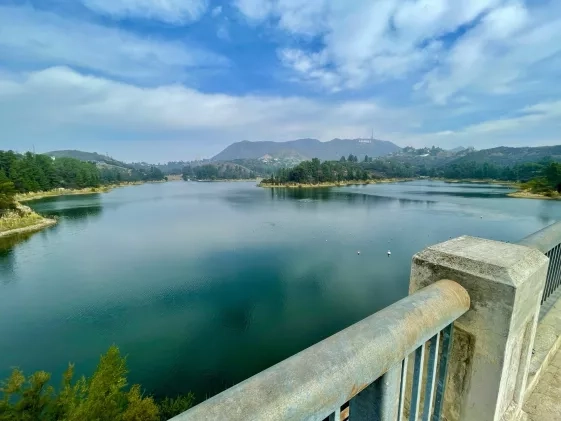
x=63 y=103
x=255 y=10
x=41 y=39
x=66 y=105
x=169 y=11
x=216 y=11
x=441 y=48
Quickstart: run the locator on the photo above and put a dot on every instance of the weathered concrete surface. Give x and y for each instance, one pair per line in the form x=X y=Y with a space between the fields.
x=544 y=403
x=492 y=342
x=548 y=340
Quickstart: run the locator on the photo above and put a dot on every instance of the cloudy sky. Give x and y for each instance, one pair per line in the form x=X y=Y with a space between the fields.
x=160 y=80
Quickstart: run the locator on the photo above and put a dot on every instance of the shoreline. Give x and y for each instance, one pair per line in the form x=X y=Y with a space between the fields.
x=237 y=180
x=26 y=197
x=40 y=222
x=475 y=181
x=525 y=194
x=339 y=184
x=46 y=222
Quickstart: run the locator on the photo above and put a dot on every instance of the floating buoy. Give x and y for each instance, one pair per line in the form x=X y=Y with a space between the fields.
x=389 y=253
x=358 y=252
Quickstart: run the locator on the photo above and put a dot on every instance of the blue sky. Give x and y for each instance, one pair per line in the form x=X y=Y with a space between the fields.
x=159 y=80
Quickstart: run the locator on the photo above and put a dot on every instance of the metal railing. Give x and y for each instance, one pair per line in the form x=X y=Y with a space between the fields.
x=360 y=373
x=548 y=241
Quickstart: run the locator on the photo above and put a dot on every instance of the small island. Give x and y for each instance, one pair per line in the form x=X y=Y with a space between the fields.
x=315 y=173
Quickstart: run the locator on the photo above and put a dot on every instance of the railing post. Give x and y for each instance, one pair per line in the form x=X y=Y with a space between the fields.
x=492 y=345
x=380 y=400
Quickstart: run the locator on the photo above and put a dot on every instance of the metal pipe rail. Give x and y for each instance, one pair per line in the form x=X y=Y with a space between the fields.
x=548 y=241
x=365 y=365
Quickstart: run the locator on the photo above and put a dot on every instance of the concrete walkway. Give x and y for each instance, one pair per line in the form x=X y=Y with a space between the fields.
x=545 y=402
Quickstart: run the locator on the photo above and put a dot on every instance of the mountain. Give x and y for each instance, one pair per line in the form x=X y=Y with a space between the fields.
x=308 y=148
x=504 y=155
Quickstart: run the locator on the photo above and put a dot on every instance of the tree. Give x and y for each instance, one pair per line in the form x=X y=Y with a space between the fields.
x=7 y=193
x=103 y=397
x=343 y=159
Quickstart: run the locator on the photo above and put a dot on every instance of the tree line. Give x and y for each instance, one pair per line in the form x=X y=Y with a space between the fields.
x=31 y=172
x=543 y=174
x=385 y=167
x=105 y=396
x=316 y=172
x=548 y=182
x=217 y=172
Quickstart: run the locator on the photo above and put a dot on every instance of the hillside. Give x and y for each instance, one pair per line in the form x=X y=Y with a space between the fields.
x=511 y=156
x=85 y=156
x=110 y=169
x=308 y=148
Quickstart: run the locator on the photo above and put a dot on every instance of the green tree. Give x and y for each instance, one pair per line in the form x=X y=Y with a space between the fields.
x=170 y=407
x=103 y=397
x=7 y=193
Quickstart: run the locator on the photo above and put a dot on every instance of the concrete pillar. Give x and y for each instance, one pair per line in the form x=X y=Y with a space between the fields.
x=493 y=340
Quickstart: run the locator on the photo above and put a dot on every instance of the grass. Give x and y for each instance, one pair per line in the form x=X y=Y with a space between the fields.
x=14 y=220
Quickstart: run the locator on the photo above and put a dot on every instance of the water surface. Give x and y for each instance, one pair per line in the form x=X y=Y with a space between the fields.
x=205 y=284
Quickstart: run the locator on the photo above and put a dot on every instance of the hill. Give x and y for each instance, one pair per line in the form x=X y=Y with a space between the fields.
x=85 y=156
x=111 y=170
x=308 y=148
x=504 y=155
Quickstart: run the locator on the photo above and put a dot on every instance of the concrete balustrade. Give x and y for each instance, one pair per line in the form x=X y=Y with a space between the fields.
x=493 y=341
x=456 y=350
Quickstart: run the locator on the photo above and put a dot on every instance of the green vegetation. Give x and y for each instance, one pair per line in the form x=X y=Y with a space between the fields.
x=217 y=171
x=32 y=173
x=105 y=396
x=458 y=170
x=316 y=172
x=548 y=183
x=7 y=194
x=15 y=219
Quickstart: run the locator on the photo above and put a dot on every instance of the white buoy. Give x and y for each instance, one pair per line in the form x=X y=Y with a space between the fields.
x=389 y=253
x=358 y=252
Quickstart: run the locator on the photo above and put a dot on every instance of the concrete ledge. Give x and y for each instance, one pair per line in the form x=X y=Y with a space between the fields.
x=546 y=344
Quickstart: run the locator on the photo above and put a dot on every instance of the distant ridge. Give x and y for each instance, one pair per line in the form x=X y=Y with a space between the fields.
x=309 y=148
x=504 y=155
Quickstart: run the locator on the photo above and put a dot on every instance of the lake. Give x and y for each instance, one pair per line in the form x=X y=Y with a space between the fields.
x=205 y=284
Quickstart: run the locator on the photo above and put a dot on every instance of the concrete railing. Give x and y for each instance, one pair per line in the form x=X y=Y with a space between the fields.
x=364 y=365
x=362 y=372
x=548 y=241
x=493 y=341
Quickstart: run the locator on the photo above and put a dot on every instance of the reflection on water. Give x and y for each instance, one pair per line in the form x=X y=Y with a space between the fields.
x=205 y=284
x=7 y=255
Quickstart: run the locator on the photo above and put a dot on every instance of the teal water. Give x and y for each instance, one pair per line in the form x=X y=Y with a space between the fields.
x=205 y=284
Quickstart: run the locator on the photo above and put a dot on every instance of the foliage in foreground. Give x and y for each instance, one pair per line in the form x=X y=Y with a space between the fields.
x=102 y=397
